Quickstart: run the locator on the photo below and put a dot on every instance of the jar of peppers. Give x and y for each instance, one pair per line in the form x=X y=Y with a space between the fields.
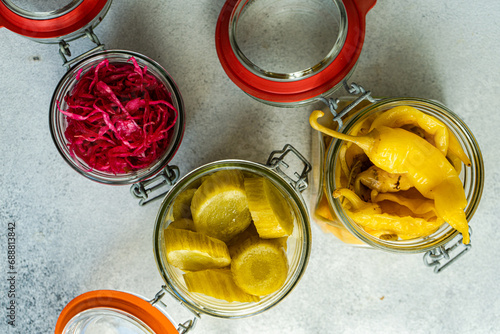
x=414 y=191
x=399 y=174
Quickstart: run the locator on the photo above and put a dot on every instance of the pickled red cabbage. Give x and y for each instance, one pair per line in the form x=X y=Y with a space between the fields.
x=120 y=118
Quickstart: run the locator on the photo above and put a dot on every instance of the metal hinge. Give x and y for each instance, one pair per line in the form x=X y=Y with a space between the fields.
x=353 y=89
x=441 y=257
x=143 y=189
x=65 y=52
x=277 y=163
x=184 y=327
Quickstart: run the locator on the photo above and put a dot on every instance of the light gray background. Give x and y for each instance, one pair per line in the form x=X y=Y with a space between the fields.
x=74 y=235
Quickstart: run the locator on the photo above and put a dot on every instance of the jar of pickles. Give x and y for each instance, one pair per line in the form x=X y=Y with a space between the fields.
x=407 y=178
x=268 y=243
x=231 y=239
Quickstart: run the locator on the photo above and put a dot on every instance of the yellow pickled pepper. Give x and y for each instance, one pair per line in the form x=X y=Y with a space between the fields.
x=444 y=140
x=399 y=151
x=380 y=180
x=419 y=206
x=370 y=216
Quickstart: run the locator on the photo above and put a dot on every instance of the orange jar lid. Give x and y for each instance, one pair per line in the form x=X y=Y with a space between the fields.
x=136 y=309
x=290 y=90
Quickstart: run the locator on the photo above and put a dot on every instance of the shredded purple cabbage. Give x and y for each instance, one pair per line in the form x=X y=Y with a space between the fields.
x=119 y=117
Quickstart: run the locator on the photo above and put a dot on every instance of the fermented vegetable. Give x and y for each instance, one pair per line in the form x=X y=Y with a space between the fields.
x=419 y=158
x=120 y=118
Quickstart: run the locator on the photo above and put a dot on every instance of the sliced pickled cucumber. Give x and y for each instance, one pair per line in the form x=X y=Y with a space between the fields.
x=193 y=251
x=259 y=266
x=217 y=283
x=283 y=242
x=269 y=208
x=220 y=207
x=182 y=224
x=250 y=231
x=182 y=204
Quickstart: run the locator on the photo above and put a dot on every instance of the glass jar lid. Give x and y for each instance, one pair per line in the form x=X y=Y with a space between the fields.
x=51 y=21
x=288 y=53
x=104 y=311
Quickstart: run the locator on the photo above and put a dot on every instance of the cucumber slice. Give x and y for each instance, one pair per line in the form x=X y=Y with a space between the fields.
x=217 y=283
x=269 y=209
x=182 y=204
x=259 y=266
x=219 y=206
x=182 y=224
x=193 y=251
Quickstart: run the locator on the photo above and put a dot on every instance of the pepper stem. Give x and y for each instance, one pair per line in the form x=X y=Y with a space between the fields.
x=364 y=142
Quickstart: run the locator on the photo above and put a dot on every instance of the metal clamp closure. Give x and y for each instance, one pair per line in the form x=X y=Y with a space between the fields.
x=184 y=327
x=167 y=177
x=442 y=256
x=64 y=50
x=278 y=164
x=353 y=89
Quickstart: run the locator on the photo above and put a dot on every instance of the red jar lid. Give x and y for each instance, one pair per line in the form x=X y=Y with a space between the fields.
x=120 y=301
x=52 y=26
x=293 y=91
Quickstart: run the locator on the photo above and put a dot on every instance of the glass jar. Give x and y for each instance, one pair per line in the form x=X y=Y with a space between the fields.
x=58 y=120
x=288 y=53
x=298 y=244
x=252 y=35
x=329 y=212
x=108 y=311
x=116 y=309
x=61 y=21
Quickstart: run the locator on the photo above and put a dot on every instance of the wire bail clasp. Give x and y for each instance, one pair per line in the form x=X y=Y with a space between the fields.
x=278 y=164
x=353 y=89
x=64 y=50
x=441 y=257
x=184 y=327
x=142 y=190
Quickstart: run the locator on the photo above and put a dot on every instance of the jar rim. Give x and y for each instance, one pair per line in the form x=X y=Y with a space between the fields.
x=130 y=307
x=68 y=22
x=305 y=244
x=306 y=72
x=57 y=119
x=473 y=179
x=42 y=15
